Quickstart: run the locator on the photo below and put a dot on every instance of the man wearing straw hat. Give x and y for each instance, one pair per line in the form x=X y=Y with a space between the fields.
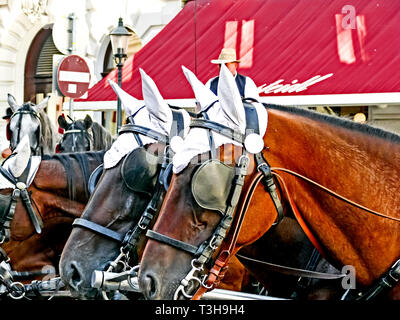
x=246 y=85
x=7 y=151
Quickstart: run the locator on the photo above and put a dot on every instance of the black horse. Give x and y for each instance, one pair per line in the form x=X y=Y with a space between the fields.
x=83 y=135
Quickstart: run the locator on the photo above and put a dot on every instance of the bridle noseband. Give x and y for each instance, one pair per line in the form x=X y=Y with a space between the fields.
x=77 y=131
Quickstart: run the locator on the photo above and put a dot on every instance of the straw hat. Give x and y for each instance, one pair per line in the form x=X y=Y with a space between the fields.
x=226 y=55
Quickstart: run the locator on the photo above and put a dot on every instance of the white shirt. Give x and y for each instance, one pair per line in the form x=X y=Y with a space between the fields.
x=250 y=89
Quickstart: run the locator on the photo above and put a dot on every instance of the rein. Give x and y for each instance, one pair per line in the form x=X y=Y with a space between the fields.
x=333 y=193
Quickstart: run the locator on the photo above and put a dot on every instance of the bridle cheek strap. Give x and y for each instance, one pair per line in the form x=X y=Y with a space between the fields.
x=217 y=272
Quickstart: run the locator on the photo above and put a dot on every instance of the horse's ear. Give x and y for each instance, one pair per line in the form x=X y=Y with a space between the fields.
x=39 y=107
x=88 y=121
x=153 y=100
x=129 y=103
x=12 y=102
x=203 y=95
x=20 y=160
x=62 y=122
x=229 y=98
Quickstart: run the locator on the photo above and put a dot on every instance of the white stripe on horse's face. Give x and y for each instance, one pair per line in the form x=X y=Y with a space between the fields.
x=29 y=125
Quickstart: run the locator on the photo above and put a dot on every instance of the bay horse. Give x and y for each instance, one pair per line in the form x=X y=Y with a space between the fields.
x=339 y=179
x=127 y=195
x=31 y=120
x=36 y=230
x=83 y=135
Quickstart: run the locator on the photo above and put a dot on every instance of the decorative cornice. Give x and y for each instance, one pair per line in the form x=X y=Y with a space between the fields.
x=34 y=9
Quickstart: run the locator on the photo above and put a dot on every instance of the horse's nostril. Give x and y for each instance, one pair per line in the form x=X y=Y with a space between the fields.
x=151 y=286
x=75 y=279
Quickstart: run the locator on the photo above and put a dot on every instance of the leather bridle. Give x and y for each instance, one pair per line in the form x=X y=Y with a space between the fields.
x=20 y=191
x=130 y=239
x=206 y=250
x=73 y=130
x=22 y=111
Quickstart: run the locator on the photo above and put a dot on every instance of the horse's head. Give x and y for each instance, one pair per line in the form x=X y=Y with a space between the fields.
x=76 y=137
x=131 y=171
x=25 y=121
x=209 y=170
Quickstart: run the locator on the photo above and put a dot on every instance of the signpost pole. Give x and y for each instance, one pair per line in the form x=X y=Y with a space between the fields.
x=71 y=49
x=119 y=111
x=71 y=108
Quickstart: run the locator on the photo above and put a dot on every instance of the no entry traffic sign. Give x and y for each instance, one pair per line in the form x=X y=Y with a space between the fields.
x=73 y=76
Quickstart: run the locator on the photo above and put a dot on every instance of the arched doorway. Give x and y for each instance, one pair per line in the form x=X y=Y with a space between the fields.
x=39 y=65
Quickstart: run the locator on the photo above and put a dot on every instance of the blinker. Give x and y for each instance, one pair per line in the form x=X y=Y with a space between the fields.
x=139 y=171
x=208 y=194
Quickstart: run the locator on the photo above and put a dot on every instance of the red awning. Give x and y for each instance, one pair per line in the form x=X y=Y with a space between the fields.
x=288 y=47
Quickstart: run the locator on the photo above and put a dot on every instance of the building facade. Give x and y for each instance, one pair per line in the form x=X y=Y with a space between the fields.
x=35 y=34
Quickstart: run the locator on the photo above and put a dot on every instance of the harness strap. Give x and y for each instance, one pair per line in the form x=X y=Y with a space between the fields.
x=133 y=128
x=135 y=134
x=172 y=242
x=334 y=193
x=293 y=271
x=217 y=127
x=269 y=184
x=35 y=218
x=78 y=222
x=177 y=128
x=6 y=174
x=300 y=219
x=388 y=281
x=210 y=138
x=85 y=169
x=6 y=221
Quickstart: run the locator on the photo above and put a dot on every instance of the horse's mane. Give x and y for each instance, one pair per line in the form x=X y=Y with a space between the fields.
x=83 y=161
x=48 y=134
x=49 y=137
x=102 y=139
x=337 y=121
